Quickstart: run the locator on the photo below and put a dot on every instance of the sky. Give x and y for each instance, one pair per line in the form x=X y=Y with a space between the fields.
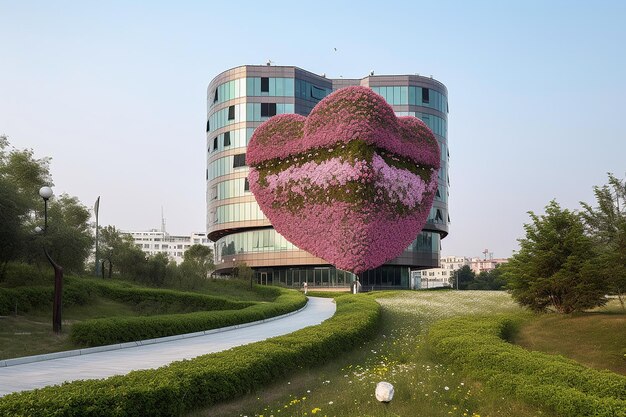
x=115 y=93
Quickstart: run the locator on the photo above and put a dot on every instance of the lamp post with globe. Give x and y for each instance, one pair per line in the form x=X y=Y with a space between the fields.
x=46 y=193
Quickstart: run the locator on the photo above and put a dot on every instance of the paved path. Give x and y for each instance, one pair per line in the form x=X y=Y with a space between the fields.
x=116 y=362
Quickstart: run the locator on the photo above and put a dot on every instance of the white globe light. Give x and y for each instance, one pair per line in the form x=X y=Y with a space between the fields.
x=45 y=192
x=38 y=229
x=384 y=392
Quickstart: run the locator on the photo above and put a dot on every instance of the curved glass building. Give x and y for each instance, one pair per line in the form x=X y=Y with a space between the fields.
x=238 y=101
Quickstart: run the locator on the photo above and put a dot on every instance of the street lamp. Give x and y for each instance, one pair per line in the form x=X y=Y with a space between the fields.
x=46 y=193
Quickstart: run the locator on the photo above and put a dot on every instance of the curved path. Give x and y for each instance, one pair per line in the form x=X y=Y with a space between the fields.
x=39 y=374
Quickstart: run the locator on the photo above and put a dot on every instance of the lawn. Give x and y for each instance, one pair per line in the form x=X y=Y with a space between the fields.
x=596 y=339
x=345 y=385
x=31 y=333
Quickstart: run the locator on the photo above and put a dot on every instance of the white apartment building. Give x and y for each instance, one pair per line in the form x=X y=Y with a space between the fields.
x=438 y=277
x=157 y=241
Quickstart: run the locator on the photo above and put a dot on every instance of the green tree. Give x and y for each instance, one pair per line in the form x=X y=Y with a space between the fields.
x=243 y=272
x=488 y=280
x=111 y=244
x=553 y=268
x=69 y=235
x=606 y=223
x=462 y=278
x=196 y=266
x=21 y=176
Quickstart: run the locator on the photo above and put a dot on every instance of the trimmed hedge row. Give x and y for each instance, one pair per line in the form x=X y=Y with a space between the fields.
x=79 y=291
x=562 y=385
x=24 y=299
x=98 y=332
x=183 y=386
x=137 y=295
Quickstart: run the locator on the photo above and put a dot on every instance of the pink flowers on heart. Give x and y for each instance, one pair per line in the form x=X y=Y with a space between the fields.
x=352 y=183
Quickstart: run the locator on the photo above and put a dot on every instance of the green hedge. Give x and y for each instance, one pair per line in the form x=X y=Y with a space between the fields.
x=559 y=384
x=98 y=332
x=164 y=297
x=79 y=291
x=183 y=386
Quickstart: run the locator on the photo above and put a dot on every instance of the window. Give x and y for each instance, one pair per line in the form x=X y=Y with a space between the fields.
x=215 y=143
x=268 y=109
x=246 y=185
x=438 y=193
x=226 y=139
x=438 y=216
x=215 y=97
x=231 y=112
x=208 y=125
x=265 y=85
x=425 y=95
x=239 y=160
x=317 y=93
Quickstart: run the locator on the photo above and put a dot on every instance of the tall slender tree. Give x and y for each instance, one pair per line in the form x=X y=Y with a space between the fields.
x=606 y=224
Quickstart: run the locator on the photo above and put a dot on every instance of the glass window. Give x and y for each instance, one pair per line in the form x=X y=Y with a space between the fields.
x=268 y=109
x=215 y=143
x=239 y=160
x=317 y=93
x=265 y=85
x=425 y=95
x=208 y=125
x=231 y=113
x=226 y=139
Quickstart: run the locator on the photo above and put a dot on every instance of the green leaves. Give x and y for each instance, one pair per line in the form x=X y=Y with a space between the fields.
x=554 y=267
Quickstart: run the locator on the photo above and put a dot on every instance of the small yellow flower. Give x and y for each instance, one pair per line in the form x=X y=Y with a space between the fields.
x=315 y=410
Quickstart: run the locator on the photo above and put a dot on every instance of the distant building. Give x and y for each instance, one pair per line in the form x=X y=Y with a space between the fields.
x=485 y=265
x=157 y=241
x=439 y=277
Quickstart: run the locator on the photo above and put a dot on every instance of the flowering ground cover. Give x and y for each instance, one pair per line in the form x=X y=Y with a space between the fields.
x=399 y=354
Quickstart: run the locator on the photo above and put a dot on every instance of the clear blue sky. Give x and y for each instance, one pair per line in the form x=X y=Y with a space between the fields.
x=115 y=93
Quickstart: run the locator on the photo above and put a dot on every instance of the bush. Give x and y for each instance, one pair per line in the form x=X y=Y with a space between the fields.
x=106 y=331
x=205 y=380
x=18 y=274
x=550 y=381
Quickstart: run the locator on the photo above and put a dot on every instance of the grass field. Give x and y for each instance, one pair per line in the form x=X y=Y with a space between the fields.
x=345 y=386
x=596 y=339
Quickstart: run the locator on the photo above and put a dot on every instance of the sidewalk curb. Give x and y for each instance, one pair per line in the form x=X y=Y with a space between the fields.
x=80 y=352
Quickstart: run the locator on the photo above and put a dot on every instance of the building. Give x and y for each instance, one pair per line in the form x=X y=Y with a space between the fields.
x=485 y=265
x=158 y=241
x=238 y=101
x=439 y=277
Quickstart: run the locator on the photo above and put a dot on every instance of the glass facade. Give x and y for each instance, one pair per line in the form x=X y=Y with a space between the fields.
x=240 y=229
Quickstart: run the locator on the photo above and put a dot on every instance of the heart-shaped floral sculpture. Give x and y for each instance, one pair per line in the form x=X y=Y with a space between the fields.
x=351 y=183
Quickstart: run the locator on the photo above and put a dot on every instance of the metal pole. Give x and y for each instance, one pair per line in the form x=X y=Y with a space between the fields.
x=58 y=294
x=45 y=214
x=58 y=280
x=96 y=208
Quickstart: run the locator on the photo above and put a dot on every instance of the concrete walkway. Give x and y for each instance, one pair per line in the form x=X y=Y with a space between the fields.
x=39 y=374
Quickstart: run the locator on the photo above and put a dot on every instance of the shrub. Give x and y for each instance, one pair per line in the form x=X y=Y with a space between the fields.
x=550 y=381
x=205 y=380
x=105 y=331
